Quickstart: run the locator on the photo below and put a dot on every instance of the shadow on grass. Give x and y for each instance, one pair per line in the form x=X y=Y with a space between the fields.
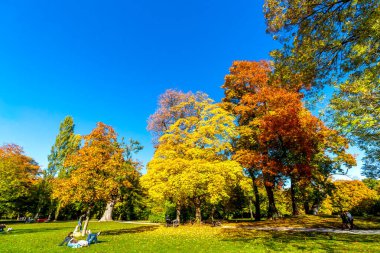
x=279 y=240
x=33 y=230
x=129 y=230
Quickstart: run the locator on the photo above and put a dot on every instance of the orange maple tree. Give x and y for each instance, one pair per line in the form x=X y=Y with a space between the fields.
x=99 y=171
x=278 y=135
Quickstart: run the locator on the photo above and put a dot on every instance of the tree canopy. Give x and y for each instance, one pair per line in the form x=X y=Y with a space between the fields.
x=335 y=43
x=191 y=164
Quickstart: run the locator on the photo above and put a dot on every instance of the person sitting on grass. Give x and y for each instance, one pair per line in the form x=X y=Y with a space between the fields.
x=347 y=220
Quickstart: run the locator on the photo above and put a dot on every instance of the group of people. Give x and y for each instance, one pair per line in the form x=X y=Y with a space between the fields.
x=71 y=242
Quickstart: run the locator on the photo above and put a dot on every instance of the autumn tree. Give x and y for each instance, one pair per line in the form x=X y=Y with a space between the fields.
x=100 y=170
x=172 y=106
x=133 y=177
x=246 y=78
x=335 y=43
x=352 y=195
x=170 y=109
x=278 y=136
x=18 y=179
x=191 y=161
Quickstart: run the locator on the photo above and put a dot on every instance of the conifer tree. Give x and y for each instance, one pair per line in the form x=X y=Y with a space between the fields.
x=65 y=144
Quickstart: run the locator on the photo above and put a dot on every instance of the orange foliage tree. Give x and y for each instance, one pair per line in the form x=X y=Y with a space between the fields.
x=246 y=78
x=278 y=136
x=99 y=171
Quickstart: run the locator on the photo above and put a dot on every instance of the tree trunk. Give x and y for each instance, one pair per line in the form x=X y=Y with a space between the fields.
x=178 y=212
x=107 y=215
x=257 y=196
x=306 y=206
x=37 y=214
x=272 y=210
x=315 y=207
x=250 y=208
x=293 y=196
x=197 y=204
x=57 y=211
x=212 y=212
x=86 y=222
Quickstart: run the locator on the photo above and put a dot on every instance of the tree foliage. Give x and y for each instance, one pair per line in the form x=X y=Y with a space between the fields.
x=99 y=173
x=190 y=164
x=336 y=43
x=278 y=136
x=352 y=195
x=18 y=179
x=66 y=143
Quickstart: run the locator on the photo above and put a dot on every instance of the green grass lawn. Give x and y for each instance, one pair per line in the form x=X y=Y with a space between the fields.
x=119 y=237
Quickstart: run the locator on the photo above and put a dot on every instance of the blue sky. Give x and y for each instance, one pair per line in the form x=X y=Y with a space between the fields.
x=110 y=60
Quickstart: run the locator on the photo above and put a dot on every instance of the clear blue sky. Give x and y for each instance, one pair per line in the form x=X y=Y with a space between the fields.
x=110 y=60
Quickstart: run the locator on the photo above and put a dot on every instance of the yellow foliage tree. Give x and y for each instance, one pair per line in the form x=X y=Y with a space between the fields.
x=352 y=195
x=191 y=163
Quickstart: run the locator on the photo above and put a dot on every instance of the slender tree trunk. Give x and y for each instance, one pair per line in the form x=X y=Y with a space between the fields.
x=107 y=215
x=306 y=206
x=305 y=202
x=57 y=211
x=315 y=207
x=272 y=210
x=257 y=196
x=197 y=204
x=212 y=212
x=250 y=208
x=178 y=212
x=293 y=196
x=37 y=214
x=86 y=222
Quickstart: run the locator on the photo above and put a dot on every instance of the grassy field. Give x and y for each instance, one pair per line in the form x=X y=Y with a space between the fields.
x=121 y=237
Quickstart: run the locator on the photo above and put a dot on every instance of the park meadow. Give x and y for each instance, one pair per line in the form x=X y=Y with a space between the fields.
x=263 y=168
x=234 y=236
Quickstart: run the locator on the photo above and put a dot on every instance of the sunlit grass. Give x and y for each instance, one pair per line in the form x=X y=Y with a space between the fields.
x=121 y=237
x=311 y=221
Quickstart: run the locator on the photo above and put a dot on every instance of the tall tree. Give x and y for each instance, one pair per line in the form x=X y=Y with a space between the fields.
x=172 y=106
x=246 y=78
x=280 y=137
x=100 y=169
x=18 y=179
x=66 y=143
x=133 y=176
x=191 y=161
x=336 y=43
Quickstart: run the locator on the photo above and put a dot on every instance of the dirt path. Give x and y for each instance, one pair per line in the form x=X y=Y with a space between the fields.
x=320 y=230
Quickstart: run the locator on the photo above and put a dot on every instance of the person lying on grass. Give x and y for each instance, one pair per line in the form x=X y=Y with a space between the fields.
x=71 y=242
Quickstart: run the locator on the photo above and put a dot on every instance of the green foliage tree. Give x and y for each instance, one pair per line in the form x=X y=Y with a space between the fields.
x=66 y=143
x=334 y=42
